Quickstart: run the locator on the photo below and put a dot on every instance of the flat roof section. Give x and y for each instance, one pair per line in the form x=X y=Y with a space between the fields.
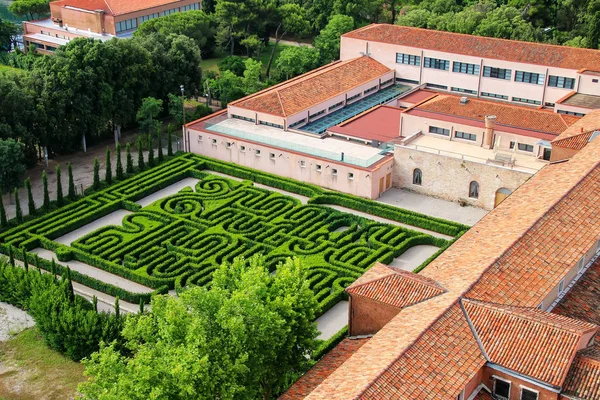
x=381 y=123
x=329 y=148
x=47 y=23
x=380 y=97
x=417 y=96
x=583 y=100
x=38 y=37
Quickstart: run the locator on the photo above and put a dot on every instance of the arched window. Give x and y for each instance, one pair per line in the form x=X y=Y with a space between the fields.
x=474 y=190
x=417 y=176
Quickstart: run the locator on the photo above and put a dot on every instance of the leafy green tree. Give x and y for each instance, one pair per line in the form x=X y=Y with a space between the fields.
x=8 y=35
x=592 y=19
x=96 y=182
x=294 y=61
x=291 y=19
x=160 y=148
x=108 y=168
x=176 y=108
x=245 y=335
x=194 y=24
x=129 y=160
x=227 y=87
x=254 y=45
x=3 y=219
x=30 y=201
x=140 y=164
x=29 y=9
x=150 y=151
x=251 y=81
x=18 y=211
x=506 y=22
x=46 y=193
x=59 y=191
x=147 y=114
x=12 y=162
x=71 y=182
x=234 y=64
x=233 y=17
x=119 y=167
x=328 y=41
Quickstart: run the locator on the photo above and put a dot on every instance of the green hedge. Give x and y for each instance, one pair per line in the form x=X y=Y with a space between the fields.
x=327 y=345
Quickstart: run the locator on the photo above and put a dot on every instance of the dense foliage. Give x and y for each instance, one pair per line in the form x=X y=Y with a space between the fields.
x=239 y=339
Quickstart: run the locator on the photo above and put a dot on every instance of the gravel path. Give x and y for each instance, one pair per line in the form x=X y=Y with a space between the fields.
x=12 y=321
x=96 y=273
x=114 y=218
x=388 y=221
x=413 y=257
x=168 y=191
x=333 y=320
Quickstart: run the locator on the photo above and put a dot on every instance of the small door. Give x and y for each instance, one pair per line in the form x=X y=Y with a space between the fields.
x=381 y=185
x=501 y=194
x=388 y=181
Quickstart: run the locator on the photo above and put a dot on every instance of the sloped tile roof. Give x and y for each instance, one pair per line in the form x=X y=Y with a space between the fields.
x=398 y=288
x=479 y=46
x=483 y=395
x=115 y=7
x=510 y=115
x=583 y=380
x=529 y=341
x=322 y=369
x=578 y=134
x=576 y=142
x=313 y=88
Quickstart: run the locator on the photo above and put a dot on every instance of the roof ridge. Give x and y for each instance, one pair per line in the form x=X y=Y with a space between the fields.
x=425 y=280
x=281 y=104
x=109 y=7
x=473 y=330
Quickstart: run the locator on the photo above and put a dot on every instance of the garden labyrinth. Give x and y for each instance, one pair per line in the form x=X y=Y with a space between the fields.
x=180 y=239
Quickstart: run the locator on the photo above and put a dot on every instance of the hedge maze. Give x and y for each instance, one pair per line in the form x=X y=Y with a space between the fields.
x=179 y=240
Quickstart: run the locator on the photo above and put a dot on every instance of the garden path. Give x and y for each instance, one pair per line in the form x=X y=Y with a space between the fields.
x=333 y=320
x=13 y=320
x=114 y=218
x=168 y=191
x=413 y=257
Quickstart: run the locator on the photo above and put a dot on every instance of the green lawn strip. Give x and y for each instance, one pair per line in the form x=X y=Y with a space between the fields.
x=212 y=64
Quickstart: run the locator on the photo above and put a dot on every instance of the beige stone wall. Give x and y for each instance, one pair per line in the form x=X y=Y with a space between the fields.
x=449 y=178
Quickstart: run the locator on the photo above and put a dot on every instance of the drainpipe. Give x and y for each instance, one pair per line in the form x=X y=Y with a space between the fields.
x=479 y=80
x=421 y=68
x=544 y=91
x=488 y=137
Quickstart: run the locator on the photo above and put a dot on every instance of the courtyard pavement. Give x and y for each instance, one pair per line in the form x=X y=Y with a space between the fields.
x=432 y=206
x=333 y=320
x=169 y=191
x=413 y=257
x=12 y=321
x=114 y=218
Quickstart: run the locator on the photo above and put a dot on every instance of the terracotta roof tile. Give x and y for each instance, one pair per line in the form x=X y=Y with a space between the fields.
x=478 y=46
x=314 y=87
x=506 y=114
x=399 y=289
x=115 y=7
x=529 y=341
x=483 y=394
x=576 y=142
x=322 y=369
x=586 y=125
x=583 y=380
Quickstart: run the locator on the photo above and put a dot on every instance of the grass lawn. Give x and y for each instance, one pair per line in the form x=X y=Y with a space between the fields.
x=31 y=370
x=211 y=64
x=6 y=68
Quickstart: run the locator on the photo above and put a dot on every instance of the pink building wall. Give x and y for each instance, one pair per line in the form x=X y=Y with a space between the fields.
x=286 y=163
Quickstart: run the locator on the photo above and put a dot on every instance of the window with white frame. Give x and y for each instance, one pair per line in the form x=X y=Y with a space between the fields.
x=319 y=167
x=302 y=164
x=350 y=176
x=561 y=286
x=501 y=389
x=436 y=63
x=439 y=131
x=126 y=25
x=272 y=156
x=561 y=82
x=581 y=264
x=498 y=73
x=334 y=172
x=465 y=136
x=199 y=138
x=408 y=59
x=529 y=394
x=529 y=77
x=465 y=68
x=229 y=144
x=214 y=142
x=257 y=152
x=242 y=149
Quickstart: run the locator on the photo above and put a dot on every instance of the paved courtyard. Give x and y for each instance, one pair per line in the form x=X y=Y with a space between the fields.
x=433 y=207
x=333 y=320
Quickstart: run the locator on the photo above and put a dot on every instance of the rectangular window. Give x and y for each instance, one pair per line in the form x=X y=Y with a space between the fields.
x=581 y=264
x=436 y=63
x=336 y=105
x=436 y=86
x=528 y=394
x=318 y=167
x=356 y=96
x=317 y=114
x=501 y=389
x=297 y=123
x=271 y=124
x=525 y=147
x=411 y=81
x=494 y=95
x=439 y=131
x=526 y=101
x=461 y=90
x=242 y=118
x=242 y=149
x=229 y=144
x=302 y=164
x=408 y=59
x=257 y=153
x=529 y=77
x=498 y=73
x=465 y=136
x=126 y=25
x=272 y=156
x=334 y=172
x=385 y=83
x=465 y=68
x=214 y=142
x=576 y=114
x=199 y=138
x=561 y=82
x=371 y=89
x=350 y=175
x=561 y=286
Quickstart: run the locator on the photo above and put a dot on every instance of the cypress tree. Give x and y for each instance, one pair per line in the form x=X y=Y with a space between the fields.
x=3 y=219
x=70 y=291
x=37 y=263
x=11 y=257
x=141 y=306
x=46 y=194
x=108 y=174
x=95 y=303
x=117 y=308
x=25 y=263
x=30 y=201
x=96 y=184
x=18 y=211
x=119 y=169
x=169 y=140
x=71 y=182
x=53 y=268
x=59 y=191
x=160 y=149
x=141 y=165
x=150 y=152
x=129 y=160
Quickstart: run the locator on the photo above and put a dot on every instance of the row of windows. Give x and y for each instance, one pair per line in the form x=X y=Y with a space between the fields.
x=439 y=131
x=561 y=82
x=436 y=63
x=195 y=6
x=126 y=25
x=148 y=17
x=461 y=90
x=356 y=96
x=501 y=391
x=371 y=89
x=465 y=68
x=242 y=118
x=169 y=12
x=465 y=136
x=297 y=123
x=499 y=73
x=435 y=85
x=526 y=101
x=317 y=114
x=402 y=80
x=271 y=124
x=522 y=147
x=494 y=95
x=576 y=114
x=529 y=77
x=336 y=105
x=409 y=59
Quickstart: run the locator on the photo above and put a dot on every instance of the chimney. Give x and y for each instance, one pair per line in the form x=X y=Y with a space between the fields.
x=464 y=100
x=488 y=137
x=100 y=20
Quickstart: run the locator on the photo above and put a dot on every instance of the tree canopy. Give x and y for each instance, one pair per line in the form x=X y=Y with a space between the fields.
x=239 y=339
x=13 y=168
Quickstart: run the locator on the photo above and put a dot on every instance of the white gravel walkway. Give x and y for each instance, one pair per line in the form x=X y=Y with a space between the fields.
x=333 y=320
x=12 y=321
x=115 y=218
x=96 y=273
x=168 y=191
x=413 y=257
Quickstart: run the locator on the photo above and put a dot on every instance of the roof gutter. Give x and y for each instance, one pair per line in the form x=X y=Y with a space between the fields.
x=525 y=378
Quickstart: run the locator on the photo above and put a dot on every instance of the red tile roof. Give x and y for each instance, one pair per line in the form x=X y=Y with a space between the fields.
x=115 y=7
x=322 y=369
x=583 y=381
x=398 y=288
x=529 y=341
x=381 y=123
x=507 y=115
x=313 y=88
x=483 y=394
x=576 y=142
x=579 y=133
x=478 y=46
